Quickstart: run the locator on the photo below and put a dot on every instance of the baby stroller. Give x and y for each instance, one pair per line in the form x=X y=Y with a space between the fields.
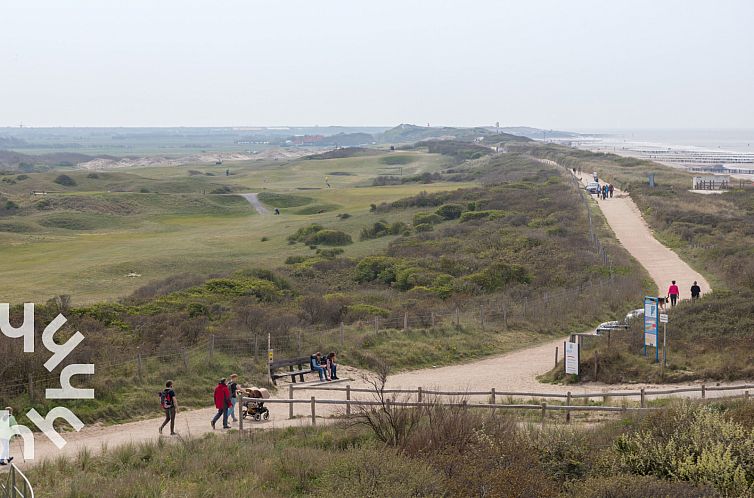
x=255 y=408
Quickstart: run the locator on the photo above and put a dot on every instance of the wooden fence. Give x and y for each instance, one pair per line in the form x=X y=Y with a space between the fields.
x=421 y=400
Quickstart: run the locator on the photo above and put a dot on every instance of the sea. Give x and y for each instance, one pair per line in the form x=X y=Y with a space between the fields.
x=714 y=139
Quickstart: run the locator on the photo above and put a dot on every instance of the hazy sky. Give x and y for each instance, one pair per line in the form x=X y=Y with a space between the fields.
x=552 y=64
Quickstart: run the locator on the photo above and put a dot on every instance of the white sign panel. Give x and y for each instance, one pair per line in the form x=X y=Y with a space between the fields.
x=571 y=358
x=650 y=340
x=663 y=318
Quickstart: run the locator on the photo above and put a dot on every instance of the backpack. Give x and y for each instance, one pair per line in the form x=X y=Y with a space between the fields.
x=166 y=400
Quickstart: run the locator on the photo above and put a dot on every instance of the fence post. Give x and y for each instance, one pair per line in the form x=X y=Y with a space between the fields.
x=342 y=334
x=405 y=320
x=642 y=398
x=348 y=398
x=568 y=403
x=544 y=412
x=704 y=391
x=746 y=395
x=240 y=414
x=290 y=405
x=493 y=396
x=419 y=394
x=596 y=363
x=138 y=366
x=481 y=315
x=314 y=412
x=556 y=356
x=256 y=347
x=458 y=319
x=31 y=388
x=211 y=346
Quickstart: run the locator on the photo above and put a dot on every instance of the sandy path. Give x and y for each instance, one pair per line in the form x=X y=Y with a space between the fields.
x=634 y=234
x=515 y=371
x=253 y=199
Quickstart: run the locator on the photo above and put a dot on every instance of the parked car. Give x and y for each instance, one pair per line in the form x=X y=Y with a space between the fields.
x=594 y=175
x=593 y=187
x=634 y=314
x=614 y=325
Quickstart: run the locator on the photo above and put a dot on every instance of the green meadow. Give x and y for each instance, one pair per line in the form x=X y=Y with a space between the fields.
x=85 y=236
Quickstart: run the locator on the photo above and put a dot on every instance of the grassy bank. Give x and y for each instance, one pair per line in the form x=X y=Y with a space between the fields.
x=687 y=449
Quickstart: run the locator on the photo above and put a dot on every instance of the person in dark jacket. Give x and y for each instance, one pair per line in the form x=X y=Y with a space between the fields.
x=332 y=366
x=169 y=406
x=696 y=291
x=316 y=363
x=222 y=403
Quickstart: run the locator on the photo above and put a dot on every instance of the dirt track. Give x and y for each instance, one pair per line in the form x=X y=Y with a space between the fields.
x=514 y=371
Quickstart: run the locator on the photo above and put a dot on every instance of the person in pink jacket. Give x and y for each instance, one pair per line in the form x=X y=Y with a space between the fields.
x=673 y=293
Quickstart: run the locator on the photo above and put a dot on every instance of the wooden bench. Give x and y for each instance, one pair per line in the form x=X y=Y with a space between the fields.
x=303 y=366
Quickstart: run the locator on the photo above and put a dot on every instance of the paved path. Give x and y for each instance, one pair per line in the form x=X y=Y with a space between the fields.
x=253 y=199
x=516 y=371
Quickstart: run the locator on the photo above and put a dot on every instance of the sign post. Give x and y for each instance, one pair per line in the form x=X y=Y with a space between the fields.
x=651 y=317
x=572 y=358
x=664 y=322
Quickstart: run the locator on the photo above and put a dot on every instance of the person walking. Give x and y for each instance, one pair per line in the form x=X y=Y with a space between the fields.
x=696 y=291
x=610 y=189
x=673 y=293
x=7 y=421
x=169 y=406
x=233 y=388
x=222 y=402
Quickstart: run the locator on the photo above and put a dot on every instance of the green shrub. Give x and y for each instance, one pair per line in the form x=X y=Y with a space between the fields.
x=65 y=181
x=10 y=205
x=329 y=237
x=359 y=311
x=478 y=215
x=450 y=211
x=423 y=227
x=376 y=268
x=498 y=276
x=427 y=218
x=304 y=232
x=330 y=253
x=22 y=177
x=292 y=260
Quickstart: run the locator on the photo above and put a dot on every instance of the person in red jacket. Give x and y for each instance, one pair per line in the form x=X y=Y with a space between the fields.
x=222 y=403
x=673 y=293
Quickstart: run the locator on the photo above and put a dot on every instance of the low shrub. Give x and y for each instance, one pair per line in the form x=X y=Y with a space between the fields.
x=65 y=181
x=427 y=218
x=450 y=211
x=479 y=215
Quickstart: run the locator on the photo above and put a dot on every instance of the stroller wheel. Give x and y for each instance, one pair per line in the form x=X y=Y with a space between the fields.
x=266 y=415
x=257 y=417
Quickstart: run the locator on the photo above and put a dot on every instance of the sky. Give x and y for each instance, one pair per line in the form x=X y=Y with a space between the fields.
x=550 y=64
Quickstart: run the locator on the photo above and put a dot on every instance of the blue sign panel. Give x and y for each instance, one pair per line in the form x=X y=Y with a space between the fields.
x=651 y=325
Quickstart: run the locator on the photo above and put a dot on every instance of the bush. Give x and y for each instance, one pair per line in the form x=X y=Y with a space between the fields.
x=93 y=176
x=380 y=268
x=329 y=238
x=361 y=311
x=10 y=205
x=22 y=177
x=65 y=181
x=293 y=260
x=330 y=253
x=450 y=211
x=304 y=232
x=423 y=227
x=344 y=216
x=427 y=218
x=479 y=215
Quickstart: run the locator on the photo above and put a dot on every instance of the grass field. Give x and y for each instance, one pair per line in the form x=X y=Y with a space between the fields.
x=156 y=222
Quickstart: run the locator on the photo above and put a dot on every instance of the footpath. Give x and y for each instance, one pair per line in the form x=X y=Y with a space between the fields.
x=515 y=371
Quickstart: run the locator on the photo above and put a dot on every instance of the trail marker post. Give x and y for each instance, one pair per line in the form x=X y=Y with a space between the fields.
x=664 y=321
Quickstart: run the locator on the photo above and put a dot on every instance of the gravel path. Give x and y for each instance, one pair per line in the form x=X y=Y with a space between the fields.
x=253 y=199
